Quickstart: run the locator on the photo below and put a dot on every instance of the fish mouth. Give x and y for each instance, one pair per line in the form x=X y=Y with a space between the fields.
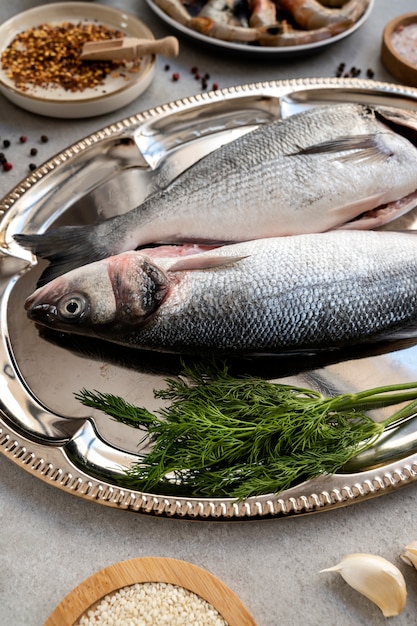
x=46 y=314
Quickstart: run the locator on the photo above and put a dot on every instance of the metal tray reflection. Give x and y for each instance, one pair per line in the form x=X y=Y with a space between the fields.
x=46 y=431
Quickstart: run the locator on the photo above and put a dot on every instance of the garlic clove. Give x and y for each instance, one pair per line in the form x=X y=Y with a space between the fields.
x=376 y=578
x=410 y=554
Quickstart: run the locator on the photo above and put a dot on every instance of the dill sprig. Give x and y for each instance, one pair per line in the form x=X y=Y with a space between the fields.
x=223 y=436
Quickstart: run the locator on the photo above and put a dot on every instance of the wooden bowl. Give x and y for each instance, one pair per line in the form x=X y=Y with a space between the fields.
x=150 y=569
x=397 y=65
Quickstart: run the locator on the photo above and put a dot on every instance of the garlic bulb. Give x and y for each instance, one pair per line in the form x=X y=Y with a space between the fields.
x=375 y=578
x=410 y=554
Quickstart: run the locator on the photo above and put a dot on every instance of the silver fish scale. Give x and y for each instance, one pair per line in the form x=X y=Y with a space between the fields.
x=329 y=289
x=261 y=185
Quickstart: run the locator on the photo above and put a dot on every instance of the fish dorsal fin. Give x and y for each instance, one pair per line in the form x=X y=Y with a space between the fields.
x=203 y=262
x=369 y=147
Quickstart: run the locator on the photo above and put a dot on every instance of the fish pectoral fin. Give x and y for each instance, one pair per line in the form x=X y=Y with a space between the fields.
x=361 y=147
x=203 y=262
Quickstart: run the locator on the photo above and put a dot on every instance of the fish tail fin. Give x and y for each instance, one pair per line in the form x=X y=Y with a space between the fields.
x=65 y=248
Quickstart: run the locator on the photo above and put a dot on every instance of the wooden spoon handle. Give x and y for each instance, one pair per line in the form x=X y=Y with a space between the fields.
x=167 y=47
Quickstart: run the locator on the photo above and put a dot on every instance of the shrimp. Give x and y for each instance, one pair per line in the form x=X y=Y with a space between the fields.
x=222 y=22
x=333 y=3
x=225 y=11
x=263 y=13
x=223 y=31
x=310 y=14
x=175 y=9
x=178 y=12
x=289 y=36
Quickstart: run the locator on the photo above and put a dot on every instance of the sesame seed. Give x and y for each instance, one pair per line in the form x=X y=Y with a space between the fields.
x=152 y=604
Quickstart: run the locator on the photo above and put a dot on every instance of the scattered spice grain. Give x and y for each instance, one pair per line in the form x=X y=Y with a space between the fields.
x=48 y=56
x=32 y=166
x=175 y=76
x=152 y=604
x=44 y=138
x=354 y=72
x=23 y=139
x=7 y=166
x=33 y=151
x=6 y=143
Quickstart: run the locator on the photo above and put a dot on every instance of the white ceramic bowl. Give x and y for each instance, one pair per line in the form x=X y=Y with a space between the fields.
x=57 y=102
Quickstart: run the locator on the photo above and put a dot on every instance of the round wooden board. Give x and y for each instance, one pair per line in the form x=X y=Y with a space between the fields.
x=151 y=569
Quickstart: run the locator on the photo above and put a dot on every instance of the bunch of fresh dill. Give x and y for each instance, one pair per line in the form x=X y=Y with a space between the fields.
x=222 y=436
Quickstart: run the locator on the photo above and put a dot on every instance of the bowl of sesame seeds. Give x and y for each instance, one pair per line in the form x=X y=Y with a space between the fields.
x=40 y=68
x=151 y=591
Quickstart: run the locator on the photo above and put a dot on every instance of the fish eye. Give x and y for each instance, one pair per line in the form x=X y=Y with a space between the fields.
x=72 y=306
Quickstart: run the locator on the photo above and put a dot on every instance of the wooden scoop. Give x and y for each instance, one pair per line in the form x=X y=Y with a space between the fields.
x=128 y=48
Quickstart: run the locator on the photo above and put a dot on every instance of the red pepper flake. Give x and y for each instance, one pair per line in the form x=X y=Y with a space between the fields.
x=7 y=166
x=23 y=139
x=48 y=56
x=194 y=70
x=215 y=86
x=175 y=76
x=197 y=76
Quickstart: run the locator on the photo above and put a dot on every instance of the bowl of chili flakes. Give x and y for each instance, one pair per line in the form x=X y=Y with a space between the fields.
x=40 y=68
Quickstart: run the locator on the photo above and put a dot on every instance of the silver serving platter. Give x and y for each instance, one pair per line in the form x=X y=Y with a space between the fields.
x=46 y=431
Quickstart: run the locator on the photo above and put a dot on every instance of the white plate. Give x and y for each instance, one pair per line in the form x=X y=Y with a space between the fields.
x=56 y=101
x=281 y=51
